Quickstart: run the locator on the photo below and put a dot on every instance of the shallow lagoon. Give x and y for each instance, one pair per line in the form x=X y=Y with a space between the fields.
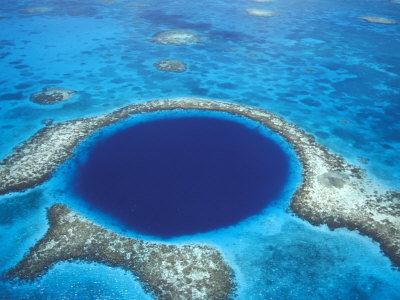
x=315 y=64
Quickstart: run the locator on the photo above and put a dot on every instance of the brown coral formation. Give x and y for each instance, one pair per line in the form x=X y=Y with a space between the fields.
x=171 y=65
x=167 y=271
x=332 y=192
x=52 y=95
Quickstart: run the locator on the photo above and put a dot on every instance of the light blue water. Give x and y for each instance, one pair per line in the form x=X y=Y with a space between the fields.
x=333 y=75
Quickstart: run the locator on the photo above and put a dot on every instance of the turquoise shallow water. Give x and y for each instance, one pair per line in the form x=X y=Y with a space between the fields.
x=316 y=65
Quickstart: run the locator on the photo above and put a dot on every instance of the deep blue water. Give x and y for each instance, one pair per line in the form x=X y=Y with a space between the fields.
x=316 y=65
x=182 y=175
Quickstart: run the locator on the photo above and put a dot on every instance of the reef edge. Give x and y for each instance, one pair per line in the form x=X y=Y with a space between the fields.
x=190 y=271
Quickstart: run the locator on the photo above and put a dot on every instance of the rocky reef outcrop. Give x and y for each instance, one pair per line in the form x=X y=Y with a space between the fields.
x=190 y=271
x=52 y=95
x=171 y=65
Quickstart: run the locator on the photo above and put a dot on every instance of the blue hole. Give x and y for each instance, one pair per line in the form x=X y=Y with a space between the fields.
x=180 y=176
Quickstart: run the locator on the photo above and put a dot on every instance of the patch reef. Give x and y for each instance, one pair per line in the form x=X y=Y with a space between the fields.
x=171 y=65
x=35 y=10
x=166 y=271
x=52 y=95
x=260 y=12
x=175 y=37
x=263 y=1
x=332 y=191
x=378 y=20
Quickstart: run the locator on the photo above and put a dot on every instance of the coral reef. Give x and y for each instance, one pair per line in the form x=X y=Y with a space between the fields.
x=171 y=65
x=263 y=1
x=34 y=10
x=175 y=37
x=167 y=271
x=52 y=95
x=378 y=20
x=332 y=191
x=260 y=12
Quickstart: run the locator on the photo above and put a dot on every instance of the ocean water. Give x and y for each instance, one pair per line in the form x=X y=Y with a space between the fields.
x=315 y=64
x=180 y=176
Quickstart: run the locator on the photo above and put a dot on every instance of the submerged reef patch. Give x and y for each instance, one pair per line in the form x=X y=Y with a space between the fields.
x=190 y=271
x=378 y=20
x=343 y=197
x=260 y=12
x=108 y=1
x=176 y=37
x=52 y=95
x=35 y=10
x=171 y=65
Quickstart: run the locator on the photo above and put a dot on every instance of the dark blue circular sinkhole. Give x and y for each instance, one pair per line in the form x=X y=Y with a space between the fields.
x=179 y=176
